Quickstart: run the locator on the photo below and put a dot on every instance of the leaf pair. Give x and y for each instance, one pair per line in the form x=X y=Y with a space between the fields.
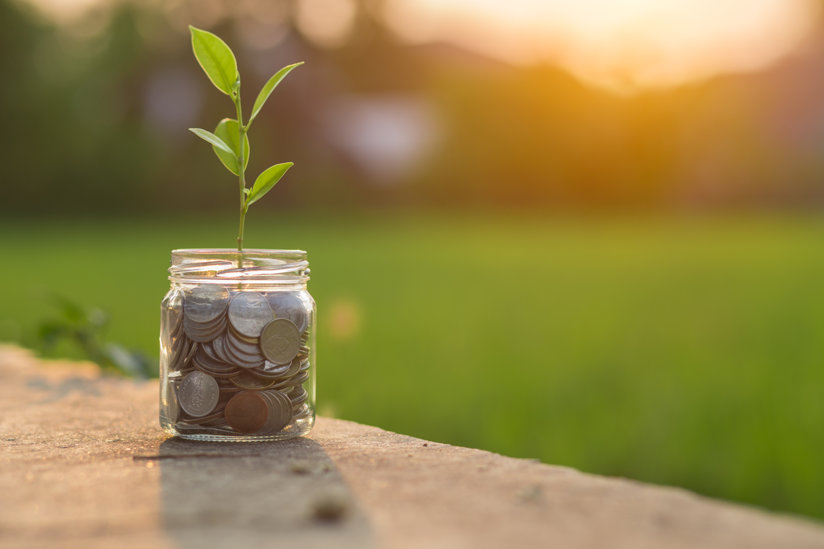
x=220 y=65
x=229 y=131
x=226 y=144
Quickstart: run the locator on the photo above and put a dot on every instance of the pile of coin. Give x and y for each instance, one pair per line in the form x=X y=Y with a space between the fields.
x=238 y=360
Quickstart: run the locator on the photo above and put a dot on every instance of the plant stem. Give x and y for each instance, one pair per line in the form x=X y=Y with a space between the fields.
x=241 y=171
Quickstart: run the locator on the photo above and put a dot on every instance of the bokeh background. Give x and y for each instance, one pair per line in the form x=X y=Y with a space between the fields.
x=589 y=233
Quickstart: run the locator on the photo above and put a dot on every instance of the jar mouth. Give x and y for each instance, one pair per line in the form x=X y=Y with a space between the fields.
x=227 y=266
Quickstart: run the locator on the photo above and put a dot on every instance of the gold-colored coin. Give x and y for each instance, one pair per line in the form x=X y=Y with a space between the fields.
x=247 y=381
x=280 y=341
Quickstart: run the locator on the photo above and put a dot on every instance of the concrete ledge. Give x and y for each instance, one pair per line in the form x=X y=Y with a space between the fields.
x=85 y=465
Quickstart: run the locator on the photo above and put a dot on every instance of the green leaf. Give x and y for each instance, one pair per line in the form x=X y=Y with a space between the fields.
x=269 y=87
x=229 y=131
x=213 y=139
x=266 y=180
x=216 y=60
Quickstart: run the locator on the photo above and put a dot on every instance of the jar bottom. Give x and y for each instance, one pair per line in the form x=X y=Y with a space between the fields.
x=297 y=428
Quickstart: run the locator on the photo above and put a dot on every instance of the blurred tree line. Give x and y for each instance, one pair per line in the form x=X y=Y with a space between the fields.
x=95 y=116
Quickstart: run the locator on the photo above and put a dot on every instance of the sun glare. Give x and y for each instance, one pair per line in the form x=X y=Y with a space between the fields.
x=621 y=44
x=64 y=10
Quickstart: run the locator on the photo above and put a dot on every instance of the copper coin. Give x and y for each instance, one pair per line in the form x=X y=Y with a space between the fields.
x=280 y=341
x=247 y=412
x=258 y=412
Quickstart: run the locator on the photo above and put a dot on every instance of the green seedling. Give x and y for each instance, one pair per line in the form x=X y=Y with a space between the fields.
x=230 y=140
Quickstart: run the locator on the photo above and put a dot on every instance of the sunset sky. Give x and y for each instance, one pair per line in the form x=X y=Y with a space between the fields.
x=620 y=44
x=617 y=43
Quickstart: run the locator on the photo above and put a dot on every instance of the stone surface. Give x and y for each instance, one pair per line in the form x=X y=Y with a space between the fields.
x=84 y=464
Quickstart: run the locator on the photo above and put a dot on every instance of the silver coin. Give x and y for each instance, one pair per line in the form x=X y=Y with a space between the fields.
x=290 y=306
x=294 y=368
x=243 y=345
x=249 y=312
x=218 y=344
x=302 y=411
x=280 y=341
x=198 y=394
x=178 y=327
x=204 y=360
x=172 y=316
x=241 y=357
x=298 y=396
x=217 y=374
x=204 y=332
x=292 y=381
x=275 y=370
x=205 y=327
x=201 y=430
x=240 y=337
x=246 y=363
x=209 y=349
x=245 y=380
x=172 y=406
x=280 y=411
x=215 y=417
x=180 y=349
x=205 y=303
x=190 y=353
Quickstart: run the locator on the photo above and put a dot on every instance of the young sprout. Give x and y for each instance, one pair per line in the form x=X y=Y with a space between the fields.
x=230 y=140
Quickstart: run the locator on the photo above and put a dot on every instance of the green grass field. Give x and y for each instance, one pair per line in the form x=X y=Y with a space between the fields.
x=683 y=352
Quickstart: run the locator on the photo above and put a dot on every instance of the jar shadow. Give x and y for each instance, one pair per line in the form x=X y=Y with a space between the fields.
x=287 y=493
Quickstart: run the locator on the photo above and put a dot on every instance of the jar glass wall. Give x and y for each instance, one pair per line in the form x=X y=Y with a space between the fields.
x=237 y=346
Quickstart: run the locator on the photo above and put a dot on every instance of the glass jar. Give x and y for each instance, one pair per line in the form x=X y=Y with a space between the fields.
x=237 y=346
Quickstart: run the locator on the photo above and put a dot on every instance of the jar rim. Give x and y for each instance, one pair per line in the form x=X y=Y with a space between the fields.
x=250 y=266
x=235 y=252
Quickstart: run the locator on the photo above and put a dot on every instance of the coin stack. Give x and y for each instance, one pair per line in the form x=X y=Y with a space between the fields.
x=238 y=360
